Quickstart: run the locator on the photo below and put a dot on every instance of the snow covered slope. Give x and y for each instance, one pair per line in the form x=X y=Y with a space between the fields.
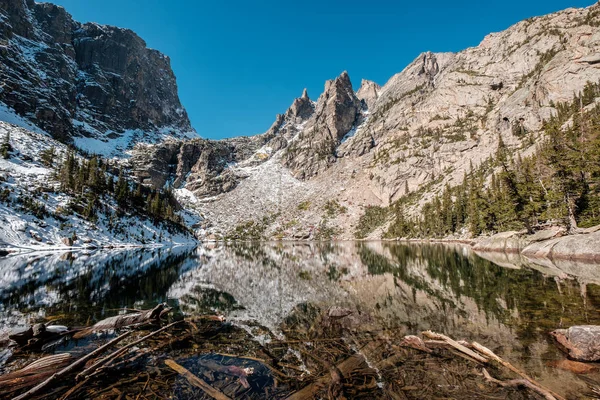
x=35 y=214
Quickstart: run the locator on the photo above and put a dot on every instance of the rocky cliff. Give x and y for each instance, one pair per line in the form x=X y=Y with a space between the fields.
x=321 y=163
x=97 y=86
x=336 y=111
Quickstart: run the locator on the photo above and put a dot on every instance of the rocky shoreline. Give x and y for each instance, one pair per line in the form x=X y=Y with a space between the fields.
x=551 y=243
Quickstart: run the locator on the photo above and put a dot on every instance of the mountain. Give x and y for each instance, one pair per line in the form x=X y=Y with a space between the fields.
x=324 y=165
x=449 y=132
x=98 y=87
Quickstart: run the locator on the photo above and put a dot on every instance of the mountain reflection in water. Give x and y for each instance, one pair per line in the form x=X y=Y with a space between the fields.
x=387 y=286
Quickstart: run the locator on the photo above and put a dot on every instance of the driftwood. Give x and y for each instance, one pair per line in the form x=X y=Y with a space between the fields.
x=118 y=353
x=415 y=342
x=33 y=373
x=81 y=361
x=125 y=320
x=345 y=368
x=489 y=353
x=195 y=381
x=519 y=382
x=456 y=345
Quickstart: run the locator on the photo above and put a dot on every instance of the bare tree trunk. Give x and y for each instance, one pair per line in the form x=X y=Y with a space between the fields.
x=571 y=207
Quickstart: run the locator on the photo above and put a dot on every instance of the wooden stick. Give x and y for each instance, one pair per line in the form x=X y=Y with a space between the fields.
x=519 y=382
x=118 y=353
x=456 y=345
x=71 y=367
x=73 y=390
x=195 y=381
x=489 y=353
x=342 y=370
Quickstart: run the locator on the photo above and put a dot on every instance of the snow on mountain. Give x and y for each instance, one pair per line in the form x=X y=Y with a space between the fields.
x=424 y=129
x=96 y=86
x=34 y=212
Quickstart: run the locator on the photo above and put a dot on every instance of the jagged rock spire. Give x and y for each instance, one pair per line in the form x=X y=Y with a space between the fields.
x=334 y=115
x=301 y=109
x=368 y=92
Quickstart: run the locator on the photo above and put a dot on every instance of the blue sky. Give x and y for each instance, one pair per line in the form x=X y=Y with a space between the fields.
x=240 y=62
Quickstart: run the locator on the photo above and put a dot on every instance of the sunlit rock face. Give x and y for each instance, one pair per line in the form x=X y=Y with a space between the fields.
x=421 y=130
x=335 y=114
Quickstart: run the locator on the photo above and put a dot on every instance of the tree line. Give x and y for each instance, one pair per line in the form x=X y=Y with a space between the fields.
x=559 y=184
x=91 y=180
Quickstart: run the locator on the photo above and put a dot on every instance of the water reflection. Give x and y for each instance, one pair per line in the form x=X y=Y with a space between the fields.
x=509 y=305
x=86 y=286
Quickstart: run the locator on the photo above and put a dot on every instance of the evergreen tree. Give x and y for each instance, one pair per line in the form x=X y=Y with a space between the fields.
x=48 y=155
x=6 y=147
x=122 y=189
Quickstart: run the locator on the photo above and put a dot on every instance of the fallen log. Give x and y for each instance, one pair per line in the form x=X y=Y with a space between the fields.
x=345 y=368
x=489 y=353
x=415 y=342
x=519 y=382
x=125 y=320
x=118 y=353
x=456 y=345
x=33 y=373
x=195 y=381
x=81 y=361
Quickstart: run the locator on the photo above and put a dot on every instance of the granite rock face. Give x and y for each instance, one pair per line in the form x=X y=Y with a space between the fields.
x=78 y=80
x=368 y=93
x=420 y=131
x=199 y=165
x=336 y=112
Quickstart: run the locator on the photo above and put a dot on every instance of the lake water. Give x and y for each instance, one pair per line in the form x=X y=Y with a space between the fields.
x=264 y=289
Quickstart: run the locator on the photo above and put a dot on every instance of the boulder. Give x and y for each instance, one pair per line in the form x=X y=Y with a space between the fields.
x=581 y=343
x=504 y=242
x=573 y=366
x=582 y=247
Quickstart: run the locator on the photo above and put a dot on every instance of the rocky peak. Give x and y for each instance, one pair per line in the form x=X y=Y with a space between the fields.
x=96 y=86
x=336 y=109
x=300 y=110
x=368 y=93
x=56 y=23
x=425 y=127
x=335 y=114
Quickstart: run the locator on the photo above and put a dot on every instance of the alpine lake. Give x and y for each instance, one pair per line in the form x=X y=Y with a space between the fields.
x=300 y=320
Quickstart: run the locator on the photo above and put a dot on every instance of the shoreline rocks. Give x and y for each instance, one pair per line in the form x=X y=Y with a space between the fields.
x=552 y=243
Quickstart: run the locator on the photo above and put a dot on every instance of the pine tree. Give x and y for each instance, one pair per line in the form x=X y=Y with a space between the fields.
x=122 y=189
x=94 y=178
x=48 y=155
x=6 y=147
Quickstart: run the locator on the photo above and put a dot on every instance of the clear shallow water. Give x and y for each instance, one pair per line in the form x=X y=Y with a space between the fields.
x=389 y=287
